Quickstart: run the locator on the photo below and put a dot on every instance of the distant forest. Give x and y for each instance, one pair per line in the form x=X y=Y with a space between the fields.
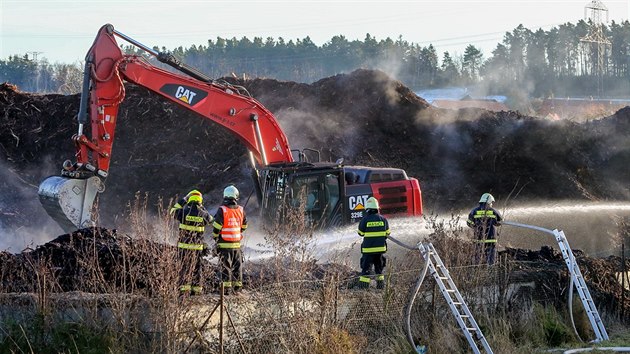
x=526 y=63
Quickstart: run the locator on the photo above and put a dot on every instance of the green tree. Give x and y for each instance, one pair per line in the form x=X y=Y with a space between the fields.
x=497 y=69
x=472 y=63
x=449 y=72
x=68 y=78
x=537 y=68
x=19 y=70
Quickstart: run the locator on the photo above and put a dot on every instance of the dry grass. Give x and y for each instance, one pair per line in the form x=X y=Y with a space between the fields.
x=293 y=305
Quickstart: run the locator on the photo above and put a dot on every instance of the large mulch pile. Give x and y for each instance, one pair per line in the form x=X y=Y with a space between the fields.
x=102 y=260
x=99 y=260
x=163 y=150
x=365 y=116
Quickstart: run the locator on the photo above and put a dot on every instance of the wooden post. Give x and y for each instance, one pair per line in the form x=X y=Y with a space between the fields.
x=221 y=318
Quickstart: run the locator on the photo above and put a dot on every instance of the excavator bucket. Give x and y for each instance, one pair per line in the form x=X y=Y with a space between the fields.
x=69 y=201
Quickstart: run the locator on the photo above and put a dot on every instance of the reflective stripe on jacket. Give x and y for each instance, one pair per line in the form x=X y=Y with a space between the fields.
x=232 y=222
x=193 y=217
x=229 y=224
x=374 y=229
x=190 y=246
x=484 y=219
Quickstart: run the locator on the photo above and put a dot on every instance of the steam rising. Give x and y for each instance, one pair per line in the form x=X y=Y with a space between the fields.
x=23 y=221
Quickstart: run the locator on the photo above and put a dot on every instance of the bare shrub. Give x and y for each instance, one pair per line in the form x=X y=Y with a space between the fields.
x=122 y=287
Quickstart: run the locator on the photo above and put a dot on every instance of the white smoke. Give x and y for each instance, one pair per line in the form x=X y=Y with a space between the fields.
x=310 y=126
x=23 y=221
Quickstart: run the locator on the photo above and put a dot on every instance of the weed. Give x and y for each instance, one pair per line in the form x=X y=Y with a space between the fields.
x=118 y=293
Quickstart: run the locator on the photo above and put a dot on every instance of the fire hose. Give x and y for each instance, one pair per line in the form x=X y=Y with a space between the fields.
x=412 y=299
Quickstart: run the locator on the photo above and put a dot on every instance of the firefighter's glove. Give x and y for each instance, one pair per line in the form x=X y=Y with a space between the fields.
x=175 y=208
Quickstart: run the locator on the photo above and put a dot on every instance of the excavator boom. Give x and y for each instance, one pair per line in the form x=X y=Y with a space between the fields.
x=69 y=198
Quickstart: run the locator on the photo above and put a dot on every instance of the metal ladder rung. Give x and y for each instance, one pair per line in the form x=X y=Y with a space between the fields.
x=458 y=306
x=580 y=285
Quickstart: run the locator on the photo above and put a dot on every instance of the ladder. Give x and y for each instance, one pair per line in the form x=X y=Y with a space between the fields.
x=455 y=301
x=582 y=289
x=576 y=276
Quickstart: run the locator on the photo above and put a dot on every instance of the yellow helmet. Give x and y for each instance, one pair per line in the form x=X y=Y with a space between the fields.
x=230 y=192
x=195 y=196
x=486 y=198
x=371 y=203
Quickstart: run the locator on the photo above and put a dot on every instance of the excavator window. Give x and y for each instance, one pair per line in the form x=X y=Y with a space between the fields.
x=305 y=192
x=312 y=196
x=332 y=191
x=317 y=194
x=386 y=176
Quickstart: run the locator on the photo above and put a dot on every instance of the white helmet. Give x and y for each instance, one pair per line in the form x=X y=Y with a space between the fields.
x=230 y=192
x=486 y=198
x=371 y=203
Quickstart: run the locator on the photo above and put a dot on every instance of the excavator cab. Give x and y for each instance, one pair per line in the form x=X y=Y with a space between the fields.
x=310 y=191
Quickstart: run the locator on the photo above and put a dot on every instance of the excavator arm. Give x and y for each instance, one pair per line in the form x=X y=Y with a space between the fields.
x=69 y=198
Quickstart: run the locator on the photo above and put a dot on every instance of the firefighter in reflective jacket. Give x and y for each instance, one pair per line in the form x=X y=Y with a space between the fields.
x=374 y=229
x=483 y=220
x=193 y=218
x=229 y=224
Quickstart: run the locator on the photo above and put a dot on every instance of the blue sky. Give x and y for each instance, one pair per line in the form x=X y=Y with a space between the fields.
x=62 y=31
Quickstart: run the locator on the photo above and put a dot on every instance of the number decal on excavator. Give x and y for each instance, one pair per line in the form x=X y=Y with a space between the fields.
x=356 y=215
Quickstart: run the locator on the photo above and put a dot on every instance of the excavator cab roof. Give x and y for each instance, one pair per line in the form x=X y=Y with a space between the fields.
x=361 y=174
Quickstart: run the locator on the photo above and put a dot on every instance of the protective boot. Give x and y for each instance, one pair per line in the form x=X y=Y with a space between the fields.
x=364 y=282
x=380 y=284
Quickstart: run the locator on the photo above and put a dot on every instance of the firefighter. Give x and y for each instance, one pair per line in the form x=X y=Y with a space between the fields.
x=193 y=218
x=229 y=224
x=483 y=220
x=374 y=229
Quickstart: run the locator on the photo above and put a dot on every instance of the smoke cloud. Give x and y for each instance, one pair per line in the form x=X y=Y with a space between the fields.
x=23 y=221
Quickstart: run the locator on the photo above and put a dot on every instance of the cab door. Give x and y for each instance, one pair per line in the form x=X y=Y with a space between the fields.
x=317 y=195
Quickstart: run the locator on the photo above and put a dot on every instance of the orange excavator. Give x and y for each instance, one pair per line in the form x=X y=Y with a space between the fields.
x=331 y=194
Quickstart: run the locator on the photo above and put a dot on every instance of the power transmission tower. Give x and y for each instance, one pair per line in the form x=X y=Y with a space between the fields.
x=34 y=55
x=595 y=40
